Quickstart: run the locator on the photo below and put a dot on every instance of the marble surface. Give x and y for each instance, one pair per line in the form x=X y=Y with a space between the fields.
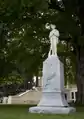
x=53 y=98
x=52 y=110
x=53 y=75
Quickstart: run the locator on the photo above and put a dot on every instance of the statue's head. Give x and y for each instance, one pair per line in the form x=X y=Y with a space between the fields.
x=52 y=26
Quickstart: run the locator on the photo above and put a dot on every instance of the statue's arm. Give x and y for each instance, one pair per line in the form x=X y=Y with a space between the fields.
x=56 y=32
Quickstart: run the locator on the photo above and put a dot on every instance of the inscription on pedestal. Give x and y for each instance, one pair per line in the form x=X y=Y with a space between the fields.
x=49 y=80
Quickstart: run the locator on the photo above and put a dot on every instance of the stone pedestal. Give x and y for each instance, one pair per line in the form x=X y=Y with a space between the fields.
x=53 y=99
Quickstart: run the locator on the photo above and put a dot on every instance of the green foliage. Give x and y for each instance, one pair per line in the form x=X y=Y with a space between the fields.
x=65 y=52
x=12 y=78
x=20 y=48
x=24 y=39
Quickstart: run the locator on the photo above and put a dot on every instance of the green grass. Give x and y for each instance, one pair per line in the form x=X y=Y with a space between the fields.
x=21 y=112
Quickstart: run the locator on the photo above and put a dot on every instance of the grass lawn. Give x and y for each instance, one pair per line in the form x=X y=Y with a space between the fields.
x=21 y=112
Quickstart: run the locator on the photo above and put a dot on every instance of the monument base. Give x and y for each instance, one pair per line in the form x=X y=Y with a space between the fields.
x=52 y=110
x=53 y=96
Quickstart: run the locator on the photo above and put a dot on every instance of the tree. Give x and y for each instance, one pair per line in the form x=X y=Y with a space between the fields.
x=26 y=34
x=68 y=59
x=24 y=46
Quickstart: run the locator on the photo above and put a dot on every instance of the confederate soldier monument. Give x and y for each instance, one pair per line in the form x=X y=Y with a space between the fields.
x=53 y=98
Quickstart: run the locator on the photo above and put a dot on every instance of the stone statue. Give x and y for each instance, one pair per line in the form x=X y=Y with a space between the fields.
x=53 y=36
x=53 y=92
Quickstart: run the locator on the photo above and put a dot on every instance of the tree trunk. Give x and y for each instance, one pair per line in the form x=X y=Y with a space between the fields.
x=25 y=84
x=80 y=75
x=36 y=81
